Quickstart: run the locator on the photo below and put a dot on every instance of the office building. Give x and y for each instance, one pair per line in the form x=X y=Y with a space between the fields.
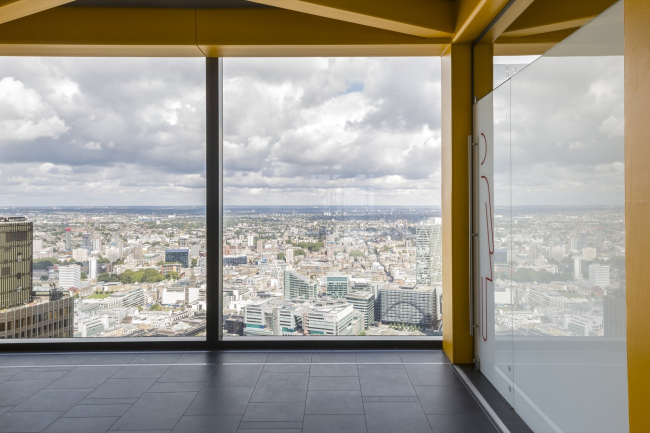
x=297 y=286
x=87 y=242
x=181 y=255
x=598 y=275
x=577 y=268
x=234 y=260
x=411 y=304
x=45 y=317
x=428 y=252
x=80 y=255
x=337 y=286
x=69 y=276
x=16 y=236
x=364 y=303
x=68 y=239
x=184 y=241
x=329 y=318
x=92 y=268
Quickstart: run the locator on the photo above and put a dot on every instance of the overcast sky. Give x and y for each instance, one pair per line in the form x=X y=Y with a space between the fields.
x=313 y=131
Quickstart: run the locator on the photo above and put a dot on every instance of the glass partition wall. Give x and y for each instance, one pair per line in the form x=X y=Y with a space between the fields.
x=331 y=197
x=551 y=286
x=102 y=197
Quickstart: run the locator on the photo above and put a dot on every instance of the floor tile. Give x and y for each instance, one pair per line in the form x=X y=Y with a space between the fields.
x=97 y=410
x=155 y=411
x=330 y=383
x=478 y=423
x=176 y=387
x=281 y=387
x=235 y=375
x=81 y=425
x=122 y=388
x=375 y=357
x=156 y=358
x=141 y=372
x=20 y=360
x=16 y=422
x=187 y=373
x=334 y=424
x=222 y=400
x=385 y=382
x=392 y=399
x=289 y=357
x=333 y=357
x=334 y=370
x=447 y=400
x=432 y=375
x=52 y=400
x=7 y=372
x=12 y=393
x=200 y=358
x=75 y=359
x=39 y=375
x=85 y=377
x=208 y=424
x=111 y=358
x=424 y=356
x=4 y=409
x=281 y=430
x=244 y=357
x=396 y=417
x=334 y=403
x=91 y=401
x=286 y=368
x=250 y=425
x=274 y=412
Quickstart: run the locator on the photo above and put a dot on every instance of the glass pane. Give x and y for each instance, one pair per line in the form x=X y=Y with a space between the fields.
x=568 y=226
x=102 y=188
x=331 y=197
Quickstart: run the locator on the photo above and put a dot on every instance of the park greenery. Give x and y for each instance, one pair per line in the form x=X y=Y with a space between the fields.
x=141 y=276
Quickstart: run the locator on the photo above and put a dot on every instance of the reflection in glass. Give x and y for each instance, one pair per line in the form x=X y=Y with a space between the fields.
x=331 y=197
x=102 y=188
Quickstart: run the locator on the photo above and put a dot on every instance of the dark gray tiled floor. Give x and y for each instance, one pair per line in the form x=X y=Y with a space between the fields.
x=241 y=392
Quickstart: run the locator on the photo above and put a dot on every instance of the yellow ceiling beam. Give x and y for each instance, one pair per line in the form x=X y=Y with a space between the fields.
x=14 y=9
x=473 y=16
x=84 y=31
x=424 y=18
x=545 y=16
x=508 y=17
x=530 y=45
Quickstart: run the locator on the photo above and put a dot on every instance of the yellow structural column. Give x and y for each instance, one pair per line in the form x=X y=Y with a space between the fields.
x=637 y=209
x=456 y=127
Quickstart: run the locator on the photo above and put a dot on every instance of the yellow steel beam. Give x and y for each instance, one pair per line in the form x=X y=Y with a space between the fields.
x=530 y=45
x=637 y=210
x=456 y=127
x=212 y=32
x=544 y=16
x=274 y=32
x=509 y=16
x=424 y=18
x=473 y=16
x=13 y=9
x=102 y=32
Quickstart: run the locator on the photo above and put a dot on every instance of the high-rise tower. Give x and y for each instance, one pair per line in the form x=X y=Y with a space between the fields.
x=16 y=236
x=428 y=252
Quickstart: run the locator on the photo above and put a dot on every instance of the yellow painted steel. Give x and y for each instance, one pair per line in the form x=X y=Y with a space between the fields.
x=271 y=32
x=456 y=127
x=545 y=16
x=214 y=32
x=637 y=209
x=14 y=9
x=102 y=32
x=483 y=70
x=508 y=17
x=528 y=45
x=473 y=16
x=424 y=18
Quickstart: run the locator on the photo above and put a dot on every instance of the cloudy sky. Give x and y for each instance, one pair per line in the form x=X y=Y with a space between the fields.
x=314 y=131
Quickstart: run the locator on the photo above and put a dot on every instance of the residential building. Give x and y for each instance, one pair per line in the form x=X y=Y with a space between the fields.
x=69 y=276
x=297 y=286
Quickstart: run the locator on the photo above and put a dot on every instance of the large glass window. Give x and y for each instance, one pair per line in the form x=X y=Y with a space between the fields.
x=102 y=197
x=331 y=197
